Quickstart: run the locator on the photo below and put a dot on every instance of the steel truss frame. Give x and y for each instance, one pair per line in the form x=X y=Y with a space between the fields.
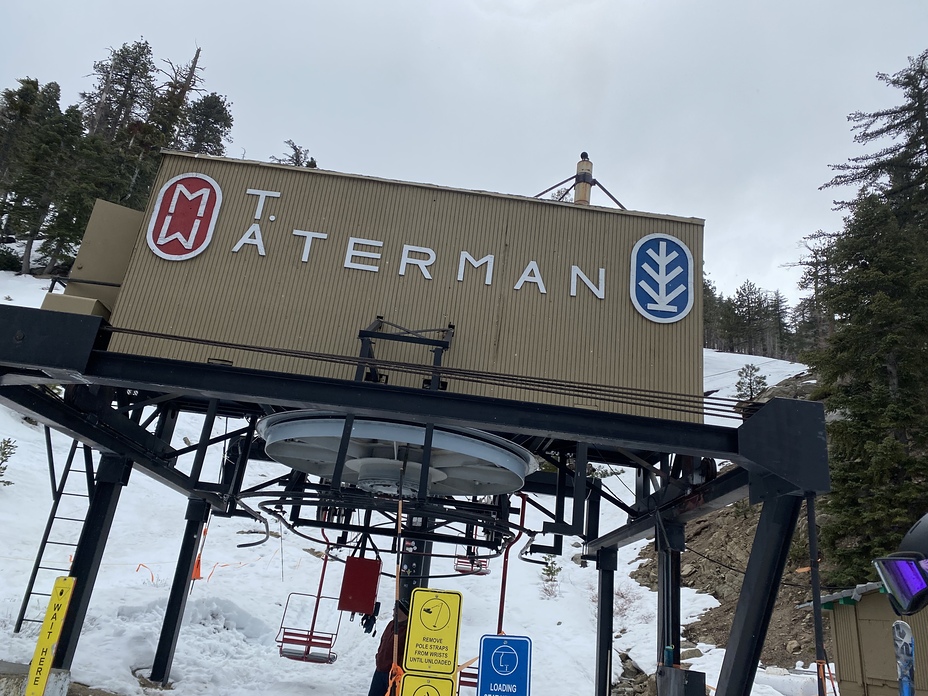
x=779 y=453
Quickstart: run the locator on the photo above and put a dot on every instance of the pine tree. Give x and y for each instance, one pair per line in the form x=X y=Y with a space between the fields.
x=297 y=157
x=750 y=382
x=730 y=327
x=45 y=164
x=812 y=322
x=7 y=449
x=171 y=103
x=874 y=374
x=711 y=315
x=206 y=126
x=874 y=368
x=749 y=305
x=564 y=194
x=901 y=166
x=54 y=163
x=90 y=177
x=777 y=335
x=124 y=91
x=16 y=113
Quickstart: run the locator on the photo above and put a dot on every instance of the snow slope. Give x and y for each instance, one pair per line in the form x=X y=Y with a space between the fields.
x=226 y=645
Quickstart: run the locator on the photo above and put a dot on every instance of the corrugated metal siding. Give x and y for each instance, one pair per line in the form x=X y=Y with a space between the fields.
x=919 y=624
x=111 y=234
x=278 y=301
x=865 y=662
x=847 y=645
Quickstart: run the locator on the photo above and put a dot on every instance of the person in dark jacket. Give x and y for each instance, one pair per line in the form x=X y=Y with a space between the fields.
x=384 y=660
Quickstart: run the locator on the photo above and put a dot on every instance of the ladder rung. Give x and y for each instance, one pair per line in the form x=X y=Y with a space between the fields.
x=70 y=519
x=75 y=495
x=64 y=570
x=61 y=543
x=40 y=594
x=32 y=620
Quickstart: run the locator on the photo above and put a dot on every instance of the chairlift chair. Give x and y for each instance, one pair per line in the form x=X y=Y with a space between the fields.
x=467 y=677
x=470 y=563
x=306 y=644
x=358 y=594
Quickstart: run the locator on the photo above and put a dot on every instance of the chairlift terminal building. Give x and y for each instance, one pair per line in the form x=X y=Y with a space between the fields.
x=289 y=259
x=410 y=352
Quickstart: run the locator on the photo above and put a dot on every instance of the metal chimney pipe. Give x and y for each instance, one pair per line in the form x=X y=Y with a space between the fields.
x=584 y=180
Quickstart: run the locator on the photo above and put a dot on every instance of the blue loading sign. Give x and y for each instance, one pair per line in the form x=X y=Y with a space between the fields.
x=505 y=666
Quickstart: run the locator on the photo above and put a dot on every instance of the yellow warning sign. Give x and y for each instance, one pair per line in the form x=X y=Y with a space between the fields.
x=41 y=665
x=416 y=685
x=432 y=632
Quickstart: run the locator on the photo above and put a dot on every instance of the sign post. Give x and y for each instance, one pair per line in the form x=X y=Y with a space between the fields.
x=41 y=666
x=430 y=659
x=505 y=667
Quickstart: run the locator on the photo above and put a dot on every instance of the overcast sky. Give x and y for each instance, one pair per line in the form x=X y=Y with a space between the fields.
x=729 y=111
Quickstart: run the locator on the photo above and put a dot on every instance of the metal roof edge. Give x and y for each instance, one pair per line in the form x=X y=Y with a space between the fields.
x=363 y=177
x=854 y=593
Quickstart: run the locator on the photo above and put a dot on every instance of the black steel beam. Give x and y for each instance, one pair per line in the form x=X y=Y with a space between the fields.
x=112 y=476
x=415 y=405
x=758 y=594
x=792 y=425
x=607 y=562
x=197 y=514
x=786 y=437
x=108 y=432
x=32 y=338
x=726 y=489
x=404 y=338
x=670 y=541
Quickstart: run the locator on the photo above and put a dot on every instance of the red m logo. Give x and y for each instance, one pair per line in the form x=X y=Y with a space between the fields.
x=182 y=223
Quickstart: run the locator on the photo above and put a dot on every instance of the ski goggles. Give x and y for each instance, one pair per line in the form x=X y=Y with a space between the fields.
x=905 y=578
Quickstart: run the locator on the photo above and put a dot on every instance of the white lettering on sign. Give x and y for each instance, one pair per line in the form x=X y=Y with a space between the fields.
x=504 y=688
x=262 y=196
x=466 y=257
x=310 y=236
x=353 y=253
x=598 y=290
x=253 y=237
x=531 y=274
x=188 y=240
x=423 y=264
x=361 y=253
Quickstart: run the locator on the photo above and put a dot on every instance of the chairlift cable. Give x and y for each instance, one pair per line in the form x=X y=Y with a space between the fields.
x=260 y=518
x=682 y=403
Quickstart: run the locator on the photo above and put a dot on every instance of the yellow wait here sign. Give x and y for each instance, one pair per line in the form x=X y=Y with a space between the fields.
x=41 y=665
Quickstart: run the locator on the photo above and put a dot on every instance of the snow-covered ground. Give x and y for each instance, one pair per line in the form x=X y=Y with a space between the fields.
x=227 y=646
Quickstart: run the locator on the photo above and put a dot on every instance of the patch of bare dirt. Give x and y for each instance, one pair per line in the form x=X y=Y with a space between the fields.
x=148 y=686
x=726 y=537
x=76 y=689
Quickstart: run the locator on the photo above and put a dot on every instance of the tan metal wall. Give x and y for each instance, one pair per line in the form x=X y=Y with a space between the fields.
x=847 y=646
x=277 y=300
x=865 y=662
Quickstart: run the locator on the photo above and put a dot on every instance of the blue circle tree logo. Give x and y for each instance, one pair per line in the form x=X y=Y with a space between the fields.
x=661 y=285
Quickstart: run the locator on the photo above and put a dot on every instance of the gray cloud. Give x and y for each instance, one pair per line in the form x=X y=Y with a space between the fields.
x=723 y=110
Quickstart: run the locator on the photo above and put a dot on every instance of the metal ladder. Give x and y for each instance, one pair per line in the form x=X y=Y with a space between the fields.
x=70 y=503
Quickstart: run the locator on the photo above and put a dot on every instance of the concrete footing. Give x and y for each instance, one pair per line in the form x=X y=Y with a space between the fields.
x=13 y=680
